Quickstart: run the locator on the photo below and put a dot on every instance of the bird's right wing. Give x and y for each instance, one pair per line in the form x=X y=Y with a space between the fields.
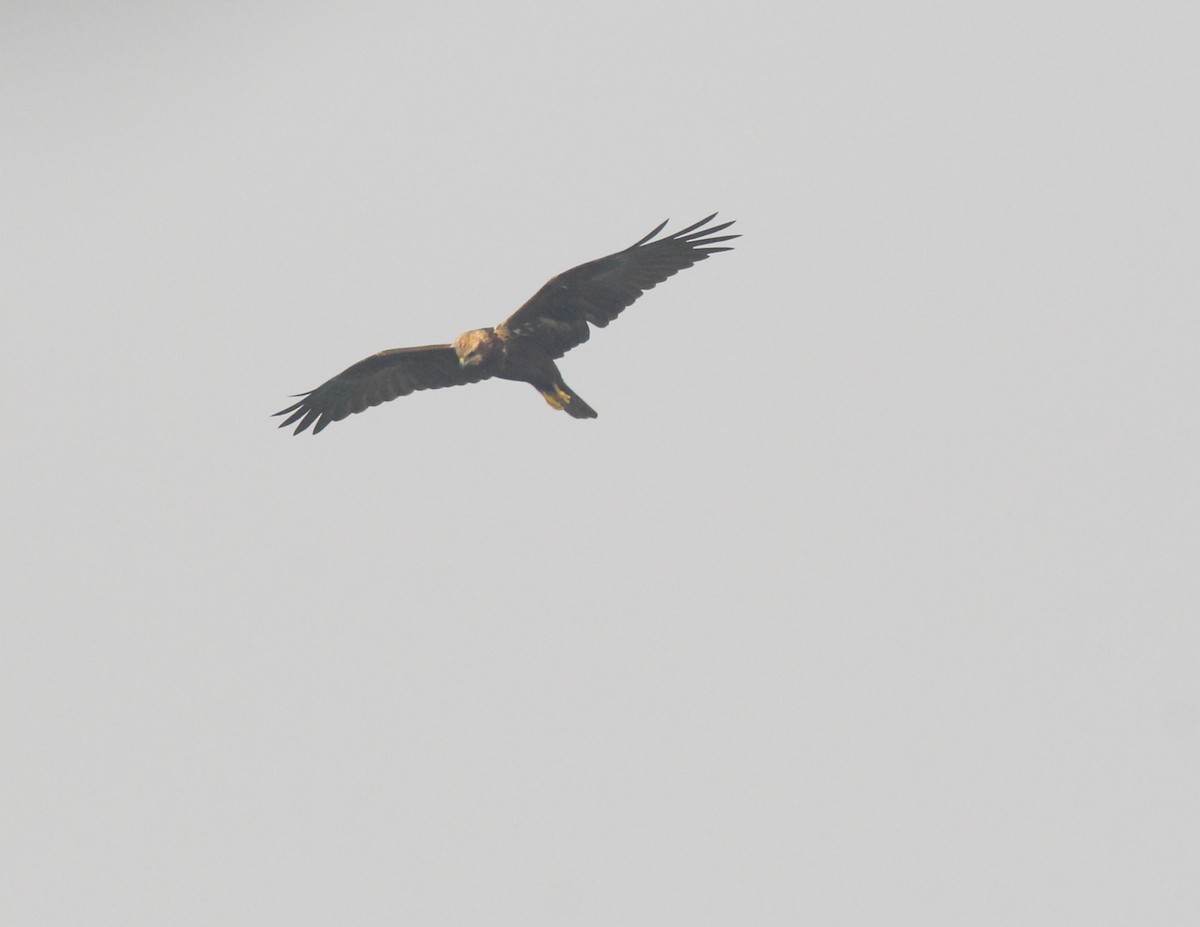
x=556 y=317
x=379 y=378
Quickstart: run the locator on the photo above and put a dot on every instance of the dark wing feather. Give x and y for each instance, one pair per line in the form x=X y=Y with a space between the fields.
x=377 y=379
x=557 y=316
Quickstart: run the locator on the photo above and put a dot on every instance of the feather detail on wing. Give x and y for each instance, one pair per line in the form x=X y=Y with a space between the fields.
x=557 y=316
x=379 y=378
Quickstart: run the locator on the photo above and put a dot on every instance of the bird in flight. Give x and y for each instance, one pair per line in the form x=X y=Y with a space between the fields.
x=525 y=346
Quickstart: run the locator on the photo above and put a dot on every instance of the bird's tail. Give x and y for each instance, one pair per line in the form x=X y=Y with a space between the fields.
x=561 y=397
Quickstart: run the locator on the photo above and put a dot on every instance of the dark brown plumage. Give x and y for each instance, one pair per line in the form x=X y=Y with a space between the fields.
x=523 y=347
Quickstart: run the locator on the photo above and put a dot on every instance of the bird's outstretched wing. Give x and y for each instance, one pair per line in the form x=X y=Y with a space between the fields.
x=377 y=379
x=557 y=316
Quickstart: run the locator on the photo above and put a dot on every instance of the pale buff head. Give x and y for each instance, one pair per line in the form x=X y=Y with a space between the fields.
x=473 y=347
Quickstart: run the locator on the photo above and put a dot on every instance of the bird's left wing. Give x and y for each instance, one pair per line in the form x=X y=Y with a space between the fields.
x=377 y=379
x=557 y=316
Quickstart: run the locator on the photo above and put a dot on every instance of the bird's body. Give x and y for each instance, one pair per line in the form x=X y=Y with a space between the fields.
x=526 y=345
x=498 y=354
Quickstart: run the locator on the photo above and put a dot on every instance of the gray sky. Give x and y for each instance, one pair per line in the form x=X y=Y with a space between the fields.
x=870 y=598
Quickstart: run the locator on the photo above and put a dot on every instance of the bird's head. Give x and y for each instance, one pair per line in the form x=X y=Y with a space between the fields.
x=473 y=347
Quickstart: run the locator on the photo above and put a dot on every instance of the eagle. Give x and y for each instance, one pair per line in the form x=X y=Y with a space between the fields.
x=525 y=346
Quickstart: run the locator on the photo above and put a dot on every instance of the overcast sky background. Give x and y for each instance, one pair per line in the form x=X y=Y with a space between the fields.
x=870 y=598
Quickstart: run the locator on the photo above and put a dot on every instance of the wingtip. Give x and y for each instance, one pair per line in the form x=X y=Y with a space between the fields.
x=662 y=225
